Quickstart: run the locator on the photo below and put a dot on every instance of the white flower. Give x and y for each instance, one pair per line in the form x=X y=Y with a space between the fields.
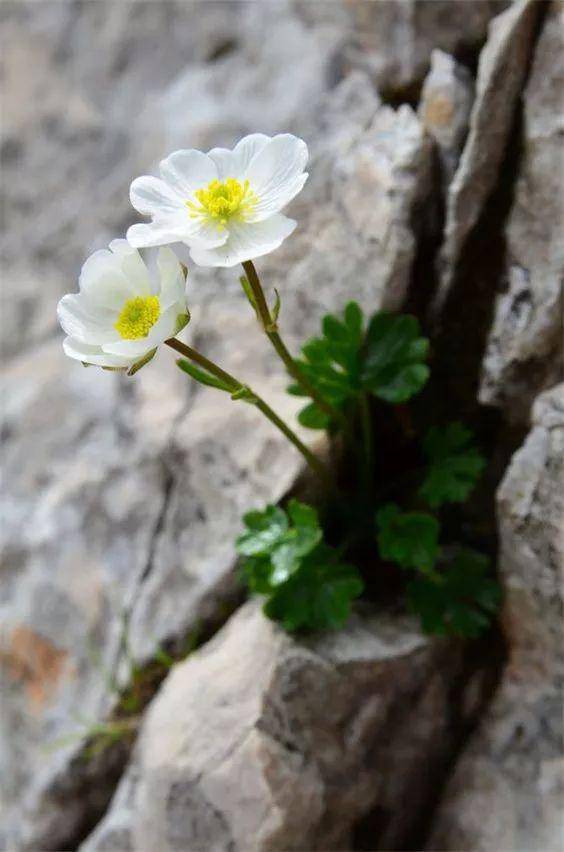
x=224 y=204
x=124 y=310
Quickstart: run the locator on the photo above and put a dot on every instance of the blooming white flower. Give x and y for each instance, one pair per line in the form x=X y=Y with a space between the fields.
x=124 y=310
x=225 y=205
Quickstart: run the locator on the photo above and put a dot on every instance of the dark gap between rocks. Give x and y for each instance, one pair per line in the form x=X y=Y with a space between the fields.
x=458 y=349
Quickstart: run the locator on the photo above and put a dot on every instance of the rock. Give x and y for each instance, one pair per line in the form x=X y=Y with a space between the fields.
x=444 y=109
x=501 y=71
x=394 y=39
x=123 y=496
x=507 y=789
x=525 y=351
x=262 y=742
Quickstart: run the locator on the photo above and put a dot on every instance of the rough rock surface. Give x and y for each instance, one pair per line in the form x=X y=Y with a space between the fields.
x=501 y=71
x=444 y=109
x=262 y=742
x=394 y=39
x=526 y=344
x=123 y=497
x=508 y=789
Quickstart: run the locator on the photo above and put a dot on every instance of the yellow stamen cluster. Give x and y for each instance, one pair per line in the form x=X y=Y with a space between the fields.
x=220 y=202
x=138 y=316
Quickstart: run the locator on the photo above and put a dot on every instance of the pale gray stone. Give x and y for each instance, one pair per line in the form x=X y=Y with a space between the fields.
x=508 y=789
x=501 y=71
x=394 y=39
x=262 y=742
x=525 y=350
x=444 y=109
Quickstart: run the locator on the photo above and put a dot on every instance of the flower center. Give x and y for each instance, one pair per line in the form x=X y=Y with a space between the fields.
x=220 y=202
x=138 y=316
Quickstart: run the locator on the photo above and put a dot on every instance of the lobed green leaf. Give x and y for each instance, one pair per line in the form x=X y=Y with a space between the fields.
x=411 y=539
x=455 y=465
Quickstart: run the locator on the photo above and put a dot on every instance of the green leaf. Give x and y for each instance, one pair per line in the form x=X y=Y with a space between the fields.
x=331 y=363
x=318 y=596
x=307 y=585
x=460 y=601
x=409 y=538
x=313 y=417
x=244 y=394
x=455 y=465
x=393 y=366
x=265 y=530
x=202 y=376
x=283 y=538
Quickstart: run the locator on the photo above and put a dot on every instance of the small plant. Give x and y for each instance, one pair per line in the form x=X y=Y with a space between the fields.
x=224 y=208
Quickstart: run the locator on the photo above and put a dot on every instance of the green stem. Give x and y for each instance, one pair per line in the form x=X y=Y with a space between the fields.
x=271 y=330
x=366 y=426
x=234 y=386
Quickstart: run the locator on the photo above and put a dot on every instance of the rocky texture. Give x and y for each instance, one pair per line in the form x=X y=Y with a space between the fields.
x=526 y=343
x=394 y=39
x=501 y=71
x=261 y=742
x=123 y=497
x=508 y=789
x=444 y=109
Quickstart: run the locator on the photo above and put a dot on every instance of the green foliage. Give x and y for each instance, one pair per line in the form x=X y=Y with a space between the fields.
x=202 y=376
x=318 y=596
x=460 y=601
x=344 y=362
x=394 y=366
x=455 y=464
x=409 y=538
x=307 y=585
x=332 y=364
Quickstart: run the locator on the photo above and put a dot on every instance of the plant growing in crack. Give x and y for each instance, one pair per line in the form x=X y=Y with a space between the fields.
x=222 y=209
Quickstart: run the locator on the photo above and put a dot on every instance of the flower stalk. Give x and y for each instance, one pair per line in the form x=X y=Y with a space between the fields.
x=270 y=327
x=239 y=390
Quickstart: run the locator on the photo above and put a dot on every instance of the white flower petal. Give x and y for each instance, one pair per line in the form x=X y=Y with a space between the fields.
x=188 y=170
x=154 y=197
x=93 y=354
x=132 y=266
x=234 y=164
x=87 y=324
x=246 y=241
x=153 y=234
x=102 y=282
x=172 y=281
x=276 y=174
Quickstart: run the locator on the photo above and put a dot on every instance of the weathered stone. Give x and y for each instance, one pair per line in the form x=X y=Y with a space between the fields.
x=501 y=71
x=444 y=109
x=123 y=496
x=262 y=742
x=526 y=344
x=395 y=38
x=508 y=789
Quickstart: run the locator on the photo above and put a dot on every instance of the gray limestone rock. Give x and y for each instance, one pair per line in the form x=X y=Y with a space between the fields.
x=444 y=109
x=262 y=742
x=507 y=791
x=394 y=39
x=525 y=350
x=501 y=71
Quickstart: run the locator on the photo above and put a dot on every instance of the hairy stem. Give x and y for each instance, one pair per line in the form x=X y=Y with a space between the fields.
x=234 y=386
